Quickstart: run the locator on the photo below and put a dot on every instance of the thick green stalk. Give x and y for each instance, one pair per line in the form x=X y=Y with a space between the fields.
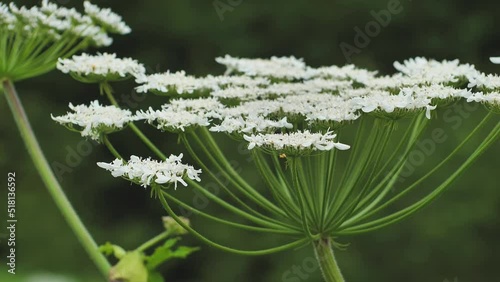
x=50 y=180
x=326 y=259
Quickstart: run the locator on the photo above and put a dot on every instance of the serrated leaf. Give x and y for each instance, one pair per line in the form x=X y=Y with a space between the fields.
x=165 y=252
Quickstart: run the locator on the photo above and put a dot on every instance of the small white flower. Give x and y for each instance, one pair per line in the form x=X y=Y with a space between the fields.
x=223 y=81
x=489 y=81
x=94 y=120
x=435 y=91
x=432 y=71
x=147 y=171
x=348 y=72
x=495 y=60
x=111 y=21
x=276 y=67
x=54 y=22
x=167 y=82
x=173 y=119
x=7 y=19
x=101 y=67
x=384 y=103
x=492 y=98
x=181 y=83
x=295 y=142
x=250 y=124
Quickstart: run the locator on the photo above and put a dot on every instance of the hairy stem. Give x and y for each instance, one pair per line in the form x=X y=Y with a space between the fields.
x=326 y=259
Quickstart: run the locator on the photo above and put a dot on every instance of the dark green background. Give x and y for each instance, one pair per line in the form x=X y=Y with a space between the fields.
x=457 y=236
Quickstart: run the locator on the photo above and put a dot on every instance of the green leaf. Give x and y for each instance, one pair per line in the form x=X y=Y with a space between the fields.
x=110 y=249
x=155 y=277
x=184 y=251
x=165 y=252
x=169 y=243
x=130 y=268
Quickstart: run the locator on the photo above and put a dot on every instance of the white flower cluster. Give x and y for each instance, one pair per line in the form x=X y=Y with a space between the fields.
x=281 y=89
x=492 y=98
x=95 y=119
x=252 y=123
x=110 y=21
x=348 y=72
x=147 y=171
x=180 y=83
x=487 y=81
x=291 y=68
x=267 y=115
x=163 y=83
x=283 y=103
x=101 y=67
x=172 y=119
x=432 y=71
x=295 y=142
x=277 y=67
x=52 y=21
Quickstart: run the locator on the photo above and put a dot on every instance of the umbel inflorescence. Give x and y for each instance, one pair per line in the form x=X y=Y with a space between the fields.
x=32 y=39
x=329 y=142
x=296 y=120
x=324 y=180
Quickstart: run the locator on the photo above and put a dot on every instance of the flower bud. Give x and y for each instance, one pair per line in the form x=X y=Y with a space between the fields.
x=173 y=227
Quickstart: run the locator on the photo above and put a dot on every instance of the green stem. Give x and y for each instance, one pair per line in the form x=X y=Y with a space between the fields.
x=105 y=88
x=111 y=148
x=402 y=214
x=219 y=181
x=216 y=157
x=326 y=259
x=369 y=211
x=50 y=180
x=296 y=185
x=153 y=241
x=291 y=245
x=229 y=223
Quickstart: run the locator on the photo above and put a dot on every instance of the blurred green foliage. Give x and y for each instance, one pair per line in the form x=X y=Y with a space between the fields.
x=457 y=236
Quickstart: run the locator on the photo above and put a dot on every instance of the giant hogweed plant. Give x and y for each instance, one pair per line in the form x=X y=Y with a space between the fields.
x=31 y=42
x=330 y=143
